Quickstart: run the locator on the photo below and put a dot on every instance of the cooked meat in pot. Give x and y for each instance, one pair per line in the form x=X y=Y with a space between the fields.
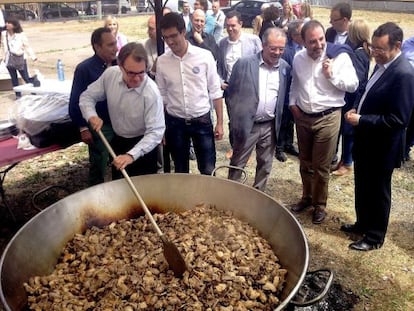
x=122 y=267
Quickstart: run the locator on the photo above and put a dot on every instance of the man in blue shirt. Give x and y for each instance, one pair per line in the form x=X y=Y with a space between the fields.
x=105 y=48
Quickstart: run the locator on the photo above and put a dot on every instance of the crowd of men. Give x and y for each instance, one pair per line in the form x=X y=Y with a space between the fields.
x=302 y=76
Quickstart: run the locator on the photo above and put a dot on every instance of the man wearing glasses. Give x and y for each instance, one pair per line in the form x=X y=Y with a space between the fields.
x=256 y=96
x=135 y=108
x=340 y=19
x=379 y=119
x=187 y=78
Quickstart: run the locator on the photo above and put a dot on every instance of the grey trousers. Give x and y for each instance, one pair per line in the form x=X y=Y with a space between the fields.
x=263 y=138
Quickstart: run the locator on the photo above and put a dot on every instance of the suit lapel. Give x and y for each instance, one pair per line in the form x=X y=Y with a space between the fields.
x=254 y=72
x=385 y=75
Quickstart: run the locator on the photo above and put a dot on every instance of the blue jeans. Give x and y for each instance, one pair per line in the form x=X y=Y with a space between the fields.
x=178 y=134
x=15 y=80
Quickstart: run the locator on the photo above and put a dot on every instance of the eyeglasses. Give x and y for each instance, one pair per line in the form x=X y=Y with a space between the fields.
x=335 y=20
x=133 y=74
x=172 y=37
x=377 y=49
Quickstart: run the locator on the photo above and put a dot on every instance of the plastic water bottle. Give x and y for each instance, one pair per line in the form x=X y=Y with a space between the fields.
x=60 y=70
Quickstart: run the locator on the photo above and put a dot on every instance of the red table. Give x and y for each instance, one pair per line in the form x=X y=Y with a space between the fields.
x=10 y=156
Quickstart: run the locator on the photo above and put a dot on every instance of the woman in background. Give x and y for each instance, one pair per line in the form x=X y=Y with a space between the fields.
x=112 y=23
x=287 y=16
x=359 y=35
x=305 y=12
x=14 y=41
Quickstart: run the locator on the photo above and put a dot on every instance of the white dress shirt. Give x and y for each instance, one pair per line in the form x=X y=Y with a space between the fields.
x=133 y=111
x=311 y=91
x=268 y=92
x=187 y=84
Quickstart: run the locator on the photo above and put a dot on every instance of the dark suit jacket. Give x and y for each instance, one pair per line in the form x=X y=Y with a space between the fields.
x=385 y=112
x=331 y=34
x=243 y=95
x=209 y=43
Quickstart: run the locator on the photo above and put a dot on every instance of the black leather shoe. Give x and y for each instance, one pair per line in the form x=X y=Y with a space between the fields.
x=350 y=228
x=301 y=206
x=292 y=150
x=364 y=246
x=319 y=215
x=281 y=156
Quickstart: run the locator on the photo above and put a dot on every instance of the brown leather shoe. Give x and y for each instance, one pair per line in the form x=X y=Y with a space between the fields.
x=342 y=170
x=301 y=206
x=319 y=215
x=229 y=154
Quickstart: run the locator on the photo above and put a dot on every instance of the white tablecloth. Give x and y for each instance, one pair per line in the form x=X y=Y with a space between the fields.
x=47 y=86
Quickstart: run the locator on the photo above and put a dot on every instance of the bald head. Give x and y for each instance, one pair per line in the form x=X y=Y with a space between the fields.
x=152 y=30
x=198 y=20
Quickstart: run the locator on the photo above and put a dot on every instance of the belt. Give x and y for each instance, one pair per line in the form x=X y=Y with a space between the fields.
x=201 y=119
x=263 y=121
x=320 y=114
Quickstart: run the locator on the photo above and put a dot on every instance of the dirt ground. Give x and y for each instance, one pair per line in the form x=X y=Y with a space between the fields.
x=380 y=280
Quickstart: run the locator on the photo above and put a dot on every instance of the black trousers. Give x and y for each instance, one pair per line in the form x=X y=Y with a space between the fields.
x=286 y=132
x=372 y=199
x=142 y=166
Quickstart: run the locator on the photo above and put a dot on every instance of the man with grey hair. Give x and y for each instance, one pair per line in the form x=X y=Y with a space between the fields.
x=135 y=108
x=255 y=99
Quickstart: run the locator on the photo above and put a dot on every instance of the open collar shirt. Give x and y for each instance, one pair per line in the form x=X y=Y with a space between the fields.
x=341 y=37
x=374 y=78
x=311 y=91
x=134 y=112
x=187 y=84
x=268 y=91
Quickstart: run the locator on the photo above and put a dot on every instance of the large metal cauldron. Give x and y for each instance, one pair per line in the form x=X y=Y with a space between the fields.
x=35 y=248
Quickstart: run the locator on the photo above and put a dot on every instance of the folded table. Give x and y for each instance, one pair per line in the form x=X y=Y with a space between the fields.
x=10 y=156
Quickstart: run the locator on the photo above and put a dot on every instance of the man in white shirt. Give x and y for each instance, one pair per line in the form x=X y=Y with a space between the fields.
x=187 y=78
x=135 y=108
x=317 y=94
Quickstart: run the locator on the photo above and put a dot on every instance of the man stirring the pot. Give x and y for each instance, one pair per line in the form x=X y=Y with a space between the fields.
x=135 y=108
